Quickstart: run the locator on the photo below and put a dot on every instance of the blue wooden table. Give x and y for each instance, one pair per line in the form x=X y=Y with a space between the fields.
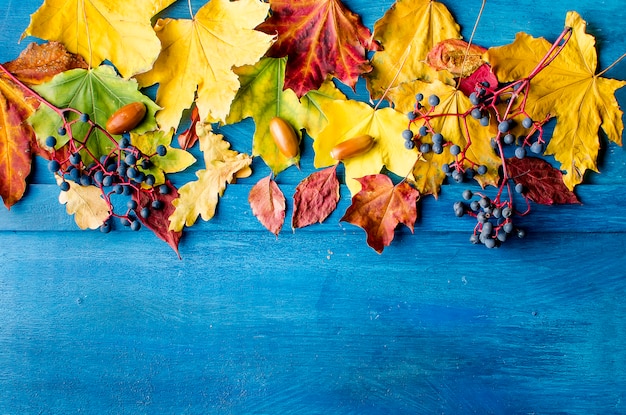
x=315 y=321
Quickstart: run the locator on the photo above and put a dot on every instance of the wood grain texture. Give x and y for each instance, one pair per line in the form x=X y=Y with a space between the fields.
x=314 y=321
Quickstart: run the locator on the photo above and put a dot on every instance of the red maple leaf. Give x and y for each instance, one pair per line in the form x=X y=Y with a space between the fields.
x=543 y=183
x=319 y=38
x=380 y=206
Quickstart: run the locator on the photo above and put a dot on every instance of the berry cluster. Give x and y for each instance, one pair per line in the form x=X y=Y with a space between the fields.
x=503 y=106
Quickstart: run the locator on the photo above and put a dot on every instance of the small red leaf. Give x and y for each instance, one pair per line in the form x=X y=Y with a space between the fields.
x=316 y=197
x=543 y=183
x=268 y=204
x=158 y=220
x=480 y=75
x=188 y=138
x=380 y=206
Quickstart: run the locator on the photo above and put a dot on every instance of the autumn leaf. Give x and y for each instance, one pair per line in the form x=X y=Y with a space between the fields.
x=543 y=183
x=200 y=197
x=316 y=197
x=86 y=203
x=268 y=204
x=261 y=96
x=349 y=119
x=407 y=32
x=569 y=88
x=313 y=119
x=188 y=138
x=97 y=92
x=461 y=130
x=198 y=56
x=380 y=206
x=40 y=63
x=158 y=220
x=116 y=30
x=456 y=56
x=175 y=160
x=319 y=38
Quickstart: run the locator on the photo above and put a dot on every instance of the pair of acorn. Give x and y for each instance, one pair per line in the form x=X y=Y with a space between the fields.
x=289 y=145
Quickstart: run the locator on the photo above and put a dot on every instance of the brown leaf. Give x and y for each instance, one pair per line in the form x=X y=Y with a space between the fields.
x=158 y=221
x=268 y=204
x=17 y=140
x=380 y=206
x=188 y=138
x=316 y=197
x=40 y=63
x=542 y=182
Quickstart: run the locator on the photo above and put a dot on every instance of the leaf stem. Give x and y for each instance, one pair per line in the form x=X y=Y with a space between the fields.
x=471 y=38
x=612 y=65
x=190 y=8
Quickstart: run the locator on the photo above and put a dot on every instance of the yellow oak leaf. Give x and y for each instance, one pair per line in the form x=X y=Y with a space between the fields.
x=348 y=119
x=117 y=30
x=569 y=89
x=86 y=203
x=200 y=197
x=198 y=56
x=462 y=130
x=407 y=32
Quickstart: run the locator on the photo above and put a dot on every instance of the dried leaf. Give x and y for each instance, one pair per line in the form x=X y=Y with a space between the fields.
x=380 y=206
x=268 y=204
x=198 y=56
x=200 y=198
x=188 y=138
x=40 y=63
x=569 y=89
x=96 y=29
x=86 y=203
x=319 y=38
x=456 y=56
x=316 y=197
x=158 y=221
x=543 y=183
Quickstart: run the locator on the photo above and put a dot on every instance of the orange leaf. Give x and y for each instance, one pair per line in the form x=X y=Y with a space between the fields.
x=380 y=206
x=268 y=204
x=320 y=38
x=456 y=56
x=316 y=197
x=40 y=63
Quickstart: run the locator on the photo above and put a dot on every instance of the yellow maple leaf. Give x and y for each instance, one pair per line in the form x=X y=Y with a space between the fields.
x=200 y=198
x=117 y=30
x=86 y=203
x=407 y=32
x=460 y=130
x=348 y=119
x=569 y=88
x=198 y=56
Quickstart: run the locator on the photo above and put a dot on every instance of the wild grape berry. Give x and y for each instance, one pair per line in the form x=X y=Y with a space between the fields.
x=107 y=181
x=459 y=209
x=411 y=115
x=433 y=100
x=130 y=159
x=490 y=243
x=145 y=212
x=118 y=189
x=481 y=217
x=51 y=141
x=520 y=152
x=75 y=159
x=75 y=174
x=475 y=205
x=407 y=134
x=419 y=97
x=501 y=236
x=445 y=168
x=487 y=228
x=161 y=150
x=482 y=169
x=85 y=180
x=135 y=225
x=64 y=186
x=131 y=204
x=62 y=131
x=437 y=148
x=496 y=212
x=84 y=117
x=484 y=121
x=536 y=147
x=409 y=144
x=437 y=138
x=132 y=172
x=527 y=122
x=476 y=113
x=423 y=131
x=98 y=176
x=474 y=239
x=150 y=180
x=54 y=166
x=455 y=150
x=157 y=204
x=519 y=188
x=164 y=189
x=425 y=148
x=484 y=202
x=467 y=194
x=457 y=176
x=507 y=227
x=124 y=142
x=474 y=98
x=508 y=139
x=105 y=227
x=507 y=212
x=504 y=126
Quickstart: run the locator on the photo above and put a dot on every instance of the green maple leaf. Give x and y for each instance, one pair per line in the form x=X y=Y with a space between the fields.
x=97 y=92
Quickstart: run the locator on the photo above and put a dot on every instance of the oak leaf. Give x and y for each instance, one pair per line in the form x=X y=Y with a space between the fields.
x=319 y=38
x=175 y=160
x=97 y=92
x=198 y=56
x=543 y=183
x=158 y=220
x=407 y=32
x=200 y=197
x=569 y=88
x=450 y=118
x=40 y=63
x=268 y=204
x=380 y=206
x=348 y=119
x=261 y=96
x=86 y=203
x=316 y=197
x=116 y=30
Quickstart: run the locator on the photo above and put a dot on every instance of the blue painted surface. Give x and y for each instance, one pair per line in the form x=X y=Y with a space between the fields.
x=315 y=321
